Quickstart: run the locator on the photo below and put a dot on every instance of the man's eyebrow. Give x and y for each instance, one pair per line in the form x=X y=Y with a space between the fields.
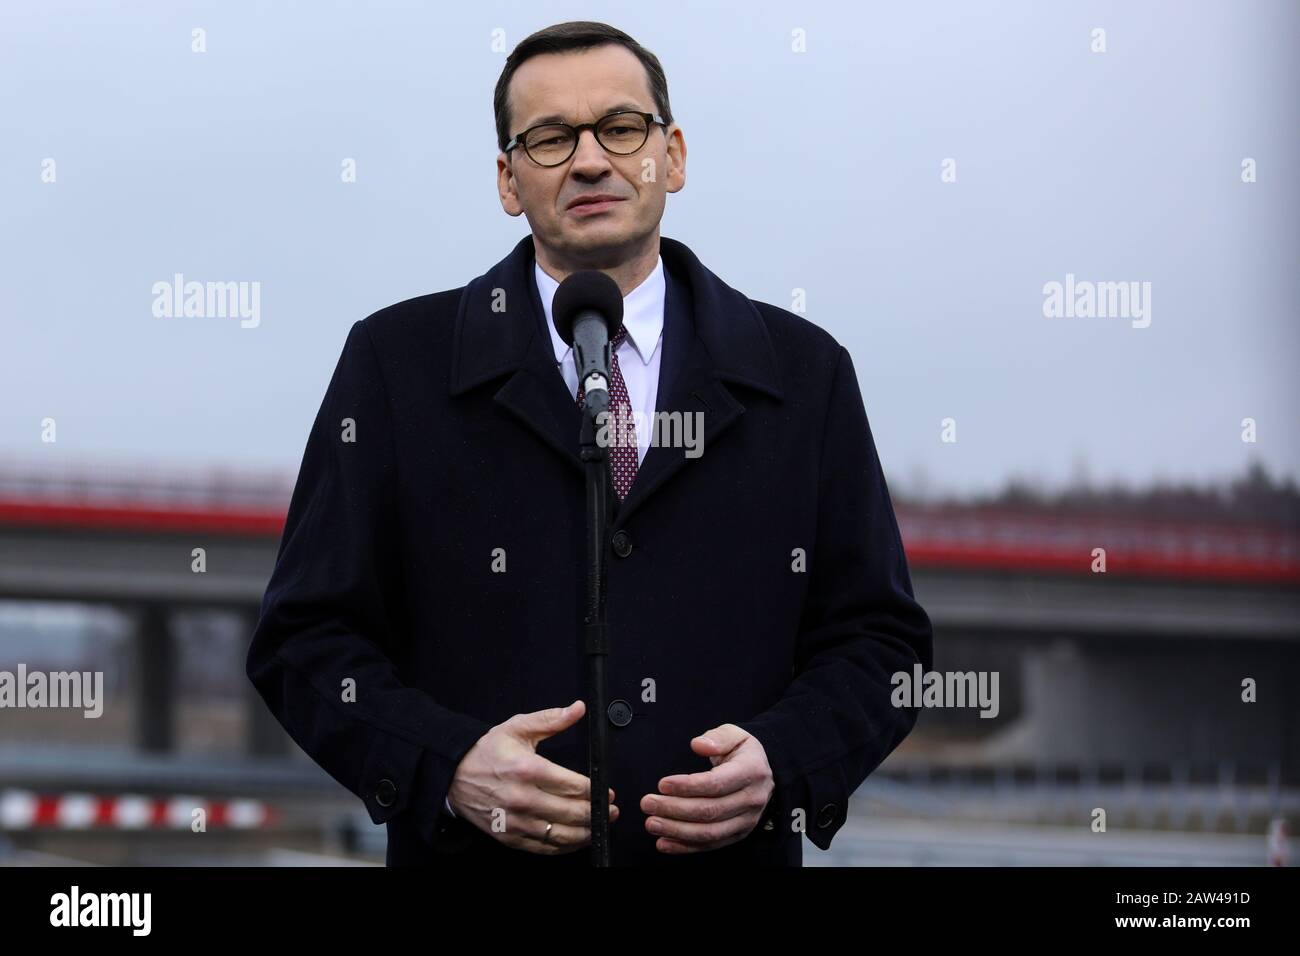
x=616 y=108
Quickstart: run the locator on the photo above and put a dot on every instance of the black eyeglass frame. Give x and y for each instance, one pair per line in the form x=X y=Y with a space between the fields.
x=650 y=118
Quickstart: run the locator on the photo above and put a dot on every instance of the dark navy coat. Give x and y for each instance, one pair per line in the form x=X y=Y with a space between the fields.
x=464 y=440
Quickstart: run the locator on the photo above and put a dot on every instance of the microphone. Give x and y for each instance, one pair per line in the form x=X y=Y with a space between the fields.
x=588 y=312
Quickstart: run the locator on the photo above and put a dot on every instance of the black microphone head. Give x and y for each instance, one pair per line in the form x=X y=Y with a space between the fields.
x=588 y=289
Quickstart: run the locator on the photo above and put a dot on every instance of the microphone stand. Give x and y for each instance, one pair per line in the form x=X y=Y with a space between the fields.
x=595 y=461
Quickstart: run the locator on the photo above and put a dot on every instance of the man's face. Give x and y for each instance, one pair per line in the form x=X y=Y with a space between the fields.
x=581 y=87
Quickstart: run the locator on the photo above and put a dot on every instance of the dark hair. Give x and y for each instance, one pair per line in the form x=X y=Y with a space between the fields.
x=574 y=35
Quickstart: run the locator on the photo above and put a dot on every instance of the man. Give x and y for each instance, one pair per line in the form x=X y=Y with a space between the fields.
x=422 y=631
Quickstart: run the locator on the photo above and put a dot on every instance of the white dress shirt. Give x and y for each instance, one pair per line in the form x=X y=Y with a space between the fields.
x=638 y=356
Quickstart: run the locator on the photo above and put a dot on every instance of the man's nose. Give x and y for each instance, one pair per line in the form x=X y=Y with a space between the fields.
x=589 y=157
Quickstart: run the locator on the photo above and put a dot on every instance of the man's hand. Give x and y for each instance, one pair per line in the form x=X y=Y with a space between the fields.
x=708 y=810
x=502 y=773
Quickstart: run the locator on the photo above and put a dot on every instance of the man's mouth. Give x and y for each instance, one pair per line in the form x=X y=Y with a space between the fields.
x=590 y=205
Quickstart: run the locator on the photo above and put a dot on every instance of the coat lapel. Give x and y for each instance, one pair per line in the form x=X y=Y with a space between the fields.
x=714 y=339
x=498 y=333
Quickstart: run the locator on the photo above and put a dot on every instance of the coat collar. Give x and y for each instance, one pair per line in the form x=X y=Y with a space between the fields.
x=643 y=313
x=492 y=338
x=713 y=336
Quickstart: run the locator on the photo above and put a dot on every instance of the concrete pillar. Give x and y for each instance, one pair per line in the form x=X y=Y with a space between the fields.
x=264 y=735
x=156 y=661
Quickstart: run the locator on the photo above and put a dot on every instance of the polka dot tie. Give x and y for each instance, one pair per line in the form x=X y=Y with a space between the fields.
x=622 y=448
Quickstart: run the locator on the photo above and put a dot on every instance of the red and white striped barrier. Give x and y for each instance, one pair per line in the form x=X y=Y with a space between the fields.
x=24 y=810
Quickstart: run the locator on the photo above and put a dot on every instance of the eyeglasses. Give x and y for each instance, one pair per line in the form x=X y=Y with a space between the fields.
x=551 y=144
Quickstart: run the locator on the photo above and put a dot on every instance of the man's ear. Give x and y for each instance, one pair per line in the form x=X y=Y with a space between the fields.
x=677 y=170
x=506 y=190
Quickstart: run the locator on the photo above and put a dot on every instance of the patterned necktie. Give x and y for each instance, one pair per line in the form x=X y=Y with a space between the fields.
x=622 y=448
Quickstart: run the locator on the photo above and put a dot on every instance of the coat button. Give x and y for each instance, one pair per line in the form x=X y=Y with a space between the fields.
x=386 y=795
x=622 y=543
x=769 y=825
x=620 y=713
x=826 y=815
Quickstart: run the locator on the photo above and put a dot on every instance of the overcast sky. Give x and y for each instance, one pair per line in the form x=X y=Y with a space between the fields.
x=820 y=170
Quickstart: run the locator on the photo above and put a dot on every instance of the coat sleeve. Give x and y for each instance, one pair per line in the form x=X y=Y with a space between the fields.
x=835 y=722
x=332 y=623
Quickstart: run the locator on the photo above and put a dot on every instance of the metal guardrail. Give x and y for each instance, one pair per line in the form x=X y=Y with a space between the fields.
x=99 y=770
x=127 y=496
x=160 y=486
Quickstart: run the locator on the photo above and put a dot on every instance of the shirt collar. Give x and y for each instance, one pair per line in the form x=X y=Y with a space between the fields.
x=643 y=312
